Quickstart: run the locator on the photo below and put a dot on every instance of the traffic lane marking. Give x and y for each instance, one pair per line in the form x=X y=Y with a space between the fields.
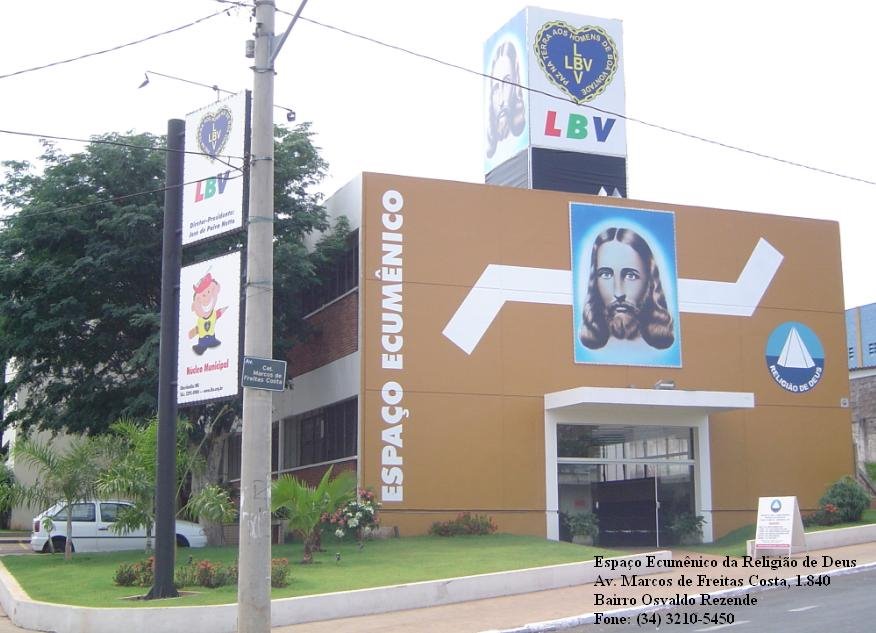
x=722 y=626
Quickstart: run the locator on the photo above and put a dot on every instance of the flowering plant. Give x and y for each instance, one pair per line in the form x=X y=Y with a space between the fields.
x=359 y=515
x=827 y=514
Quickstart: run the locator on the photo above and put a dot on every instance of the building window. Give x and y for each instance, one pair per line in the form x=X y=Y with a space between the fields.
x=234 y=449
x=337 y=278
x=275 y=449
x=851 y=353
x=321 y=435
x=871 y=348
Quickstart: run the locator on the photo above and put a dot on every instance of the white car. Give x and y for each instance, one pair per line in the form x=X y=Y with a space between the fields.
x=92 y=521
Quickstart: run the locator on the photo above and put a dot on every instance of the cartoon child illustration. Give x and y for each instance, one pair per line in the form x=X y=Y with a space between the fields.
x=204 y=307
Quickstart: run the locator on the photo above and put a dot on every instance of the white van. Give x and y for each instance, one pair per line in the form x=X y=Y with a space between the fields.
x=91 y=529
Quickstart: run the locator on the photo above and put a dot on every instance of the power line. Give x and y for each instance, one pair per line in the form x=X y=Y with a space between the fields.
x=656 y=126
x=151 y=148
x=114 y=48
x=290 y=113
x=117 y=199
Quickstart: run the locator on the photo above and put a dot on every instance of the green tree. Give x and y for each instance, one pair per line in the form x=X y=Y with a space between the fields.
x=7 y=478
x=69 y=476
x=131 y=475
x=79 y=284
x=80 y=263
x=306 y=504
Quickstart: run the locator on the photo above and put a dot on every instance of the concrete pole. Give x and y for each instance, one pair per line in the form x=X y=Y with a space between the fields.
x=254 y=580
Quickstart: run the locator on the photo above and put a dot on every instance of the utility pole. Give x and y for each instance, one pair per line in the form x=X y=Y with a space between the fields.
x=165 y=470
x=254 y=571
x=254 y=579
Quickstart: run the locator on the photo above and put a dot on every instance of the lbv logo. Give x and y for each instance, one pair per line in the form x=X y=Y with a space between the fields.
x=578 y=126
x=579 y=64
x=209 y=187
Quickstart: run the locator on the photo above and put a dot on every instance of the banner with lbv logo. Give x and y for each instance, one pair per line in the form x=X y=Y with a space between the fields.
x=216 y=146
x=577 y=80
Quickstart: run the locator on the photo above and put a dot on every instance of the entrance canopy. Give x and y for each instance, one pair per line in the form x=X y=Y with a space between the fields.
x=706 y=402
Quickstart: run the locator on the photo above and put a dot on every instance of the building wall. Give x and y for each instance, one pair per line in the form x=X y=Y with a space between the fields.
x=471 y=436
x=861 y=336
x=21 y=517
x=312 y=475
x=863 y=402
x=335 y=335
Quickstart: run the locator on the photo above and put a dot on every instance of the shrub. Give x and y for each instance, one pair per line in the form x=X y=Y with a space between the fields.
x=849 y=498
x=205 y=574
x=828 y=514
x=279 y=572
x=358 y=515
x=125 y=575
x=139 y=573
x=145 y=571
x=687 y=525
x=465 y=523
x=582 y=524
x=185 y=575
x=230 y=574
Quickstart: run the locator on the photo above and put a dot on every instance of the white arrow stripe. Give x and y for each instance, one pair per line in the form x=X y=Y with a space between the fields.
x=498 y=284
x=739 y=298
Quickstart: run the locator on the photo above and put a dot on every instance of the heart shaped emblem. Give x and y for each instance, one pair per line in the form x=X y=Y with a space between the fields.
x=213 y=132
x=579 y=61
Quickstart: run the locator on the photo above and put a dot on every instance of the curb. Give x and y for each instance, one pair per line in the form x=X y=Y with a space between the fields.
x=590 y=618
x=42 y=616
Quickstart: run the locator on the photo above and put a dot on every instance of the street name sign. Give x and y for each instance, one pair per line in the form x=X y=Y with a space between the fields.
x=263 y=373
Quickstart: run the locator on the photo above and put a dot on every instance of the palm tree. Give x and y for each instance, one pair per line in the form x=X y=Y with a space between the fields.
x=131 y=475
x=68 y=477
x=307 y=504
x=212 y=503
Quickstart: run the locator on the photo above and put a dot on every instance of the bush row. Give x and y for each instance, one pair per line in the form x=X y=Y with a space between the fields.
x=202 y=573
x=465 y=523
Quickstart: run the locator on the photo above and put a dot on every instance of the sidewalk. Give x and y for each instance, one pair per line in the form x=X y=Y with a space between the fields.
x=516 y=611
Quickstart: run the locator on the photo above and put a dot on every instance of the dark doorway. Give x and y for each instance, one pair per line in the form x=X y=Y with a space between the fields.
x=626 y=510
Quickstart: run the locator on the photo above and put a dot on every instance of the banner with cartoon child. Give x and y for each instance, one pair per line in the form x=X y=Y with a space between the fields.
x=209 y=330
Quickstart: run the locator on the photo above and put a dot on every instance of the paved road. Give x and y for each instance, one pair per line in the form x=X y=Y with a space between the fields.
x=845 y=606
x=8 y=547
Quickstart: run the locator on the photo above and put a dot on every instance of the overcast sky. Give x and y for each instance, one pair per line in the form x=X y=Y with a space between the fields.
x=788 y=79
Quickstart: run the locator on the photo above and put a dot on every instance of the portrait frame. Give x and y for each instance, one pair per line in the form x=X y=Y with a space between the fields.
x=657 y=228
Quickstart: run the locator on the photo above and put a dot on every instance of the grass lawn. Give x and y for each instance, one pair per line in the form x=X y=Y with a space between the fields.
x=734 y=542
x=87 y=580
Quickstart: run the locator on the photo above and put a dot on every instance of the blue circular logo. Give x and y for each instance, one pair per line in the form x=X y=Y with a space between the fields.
x=795 y=357
x=776 y=505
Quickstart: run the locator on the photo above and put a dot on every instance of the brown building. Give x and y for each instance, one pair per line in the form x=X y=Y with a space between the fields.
x=526 y=354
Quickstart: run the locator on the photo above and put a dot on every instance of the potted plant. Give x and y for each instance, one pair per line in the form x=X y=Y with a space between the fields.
x=584 y=526
x=687 y=528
